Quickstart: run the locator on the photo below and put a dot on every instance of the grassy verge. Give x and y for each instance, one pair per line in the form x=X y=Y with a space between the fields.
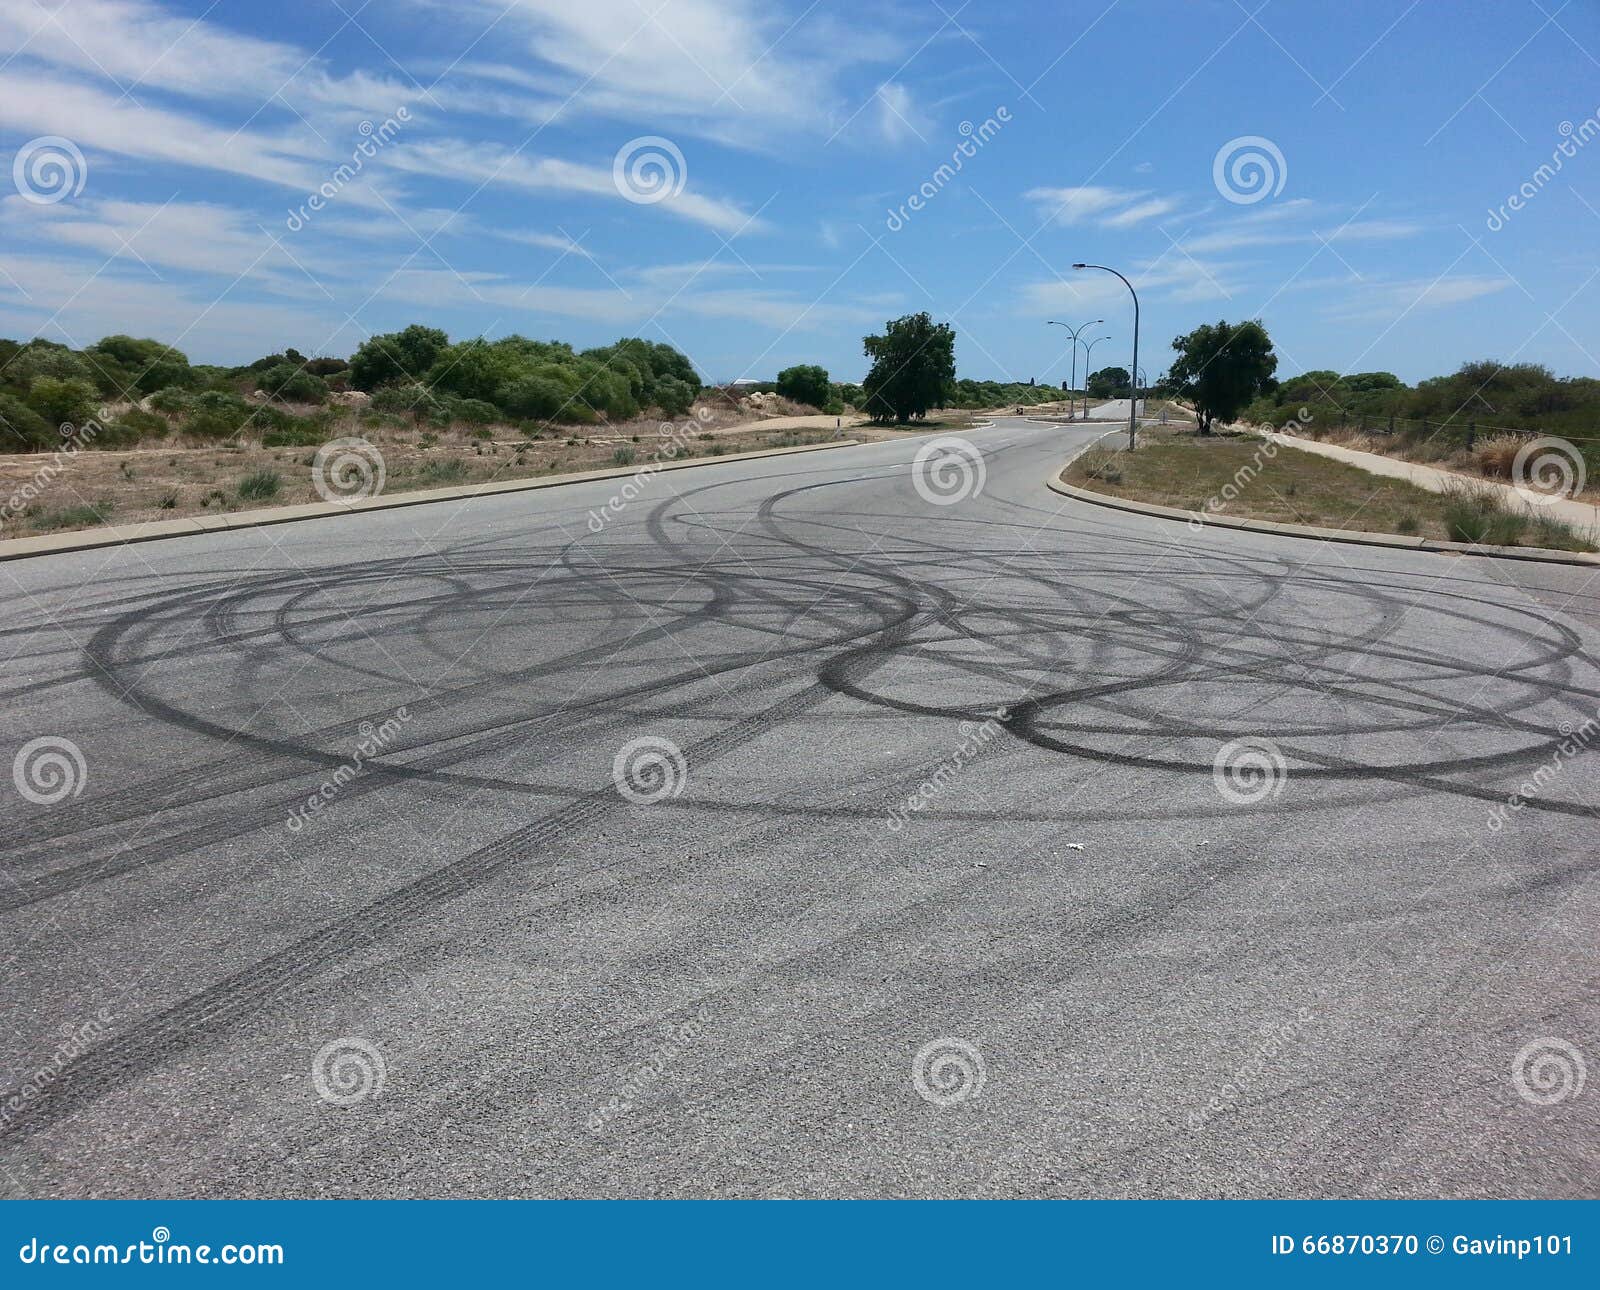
x=1244 y=477
x=39 y=495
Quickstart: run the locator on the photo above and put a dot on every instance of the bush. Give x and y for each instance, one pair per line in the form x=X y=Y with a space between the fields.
x=475 y=412
x=64 y=402
x=141 y=366
x=172 y=400
x=806 y=383
x=144 y=425
x=622 y=456
x=412 y=398
x=259 y=485
x=216 y=416
x=69 y=517
x=300 y=435
x=291 y=384
x=42 y=358
x=1476 y=515
x=398 y=357
x=22 y=429
x=450 y=471
x=673 y=396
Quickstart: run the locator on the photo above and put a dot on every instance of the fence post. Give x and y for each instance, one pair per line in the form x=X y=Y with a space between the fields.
x=1472 y=434
x=1391 y=423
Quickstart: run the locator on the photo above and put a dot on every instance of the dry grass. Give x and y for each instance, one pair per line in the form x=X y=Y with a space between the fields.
x=1241 y=476
x=1489 y=458
x=174 y=478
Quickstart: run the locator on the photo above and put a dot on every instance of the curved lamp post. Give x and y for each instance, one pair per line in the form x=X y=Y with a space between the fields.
x=1072 y=402
x=1087 y=350
x=1133 y=403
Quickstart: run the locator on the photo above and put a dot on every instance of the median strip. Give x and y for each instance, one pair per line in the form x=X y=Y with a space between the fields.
x=1244 y=482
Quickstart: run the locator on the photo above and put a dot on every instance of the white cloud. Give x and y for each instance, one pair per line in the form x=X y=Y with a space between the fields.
x=1111 y=208
x=896 y=113
x=488 y=164
x=1389 y=301
x=96 y=119
x=1139 y=212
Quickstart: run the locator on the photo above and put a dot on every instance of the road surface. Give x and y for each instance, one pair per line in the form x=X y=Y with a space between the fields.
x=854 y=947
x=1113 y=410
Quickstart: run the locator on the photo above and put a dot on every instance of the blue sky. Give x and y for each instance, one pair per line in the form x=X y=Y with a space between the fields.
x=163 y=153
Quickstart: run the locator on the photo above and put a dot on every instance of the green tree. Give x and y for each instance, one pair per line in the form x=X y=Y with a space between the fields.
x=806 y=383
x=913 y=368
x=1221 y=367
x=138 y=364
x=63 y=402
x=22 y=429
x=289 y=383
x=1109 y=383
x=397 y=356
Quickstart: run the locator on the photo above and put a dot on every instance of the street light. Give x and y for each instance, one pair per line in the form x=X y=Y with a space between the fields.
x=1071 y=413
x=1087 y=350
x=1133 y=403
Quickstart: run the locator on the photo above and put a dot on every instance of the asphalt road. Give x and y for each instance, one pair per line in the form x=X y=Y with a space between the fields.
x=481 y=969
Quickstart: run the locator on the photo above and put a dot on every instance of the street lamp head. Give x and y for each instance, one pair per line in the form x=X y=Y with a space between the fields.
x=1080 y=266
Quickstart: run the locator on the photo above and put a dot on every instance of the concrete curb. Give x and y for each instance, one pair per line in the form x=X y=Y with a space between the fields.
x=191 y=526
x=1393 y=541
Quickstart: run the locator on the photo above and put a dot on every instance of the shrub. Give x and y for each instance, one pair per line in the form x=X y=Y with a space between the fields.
x=806 y=383
x=22 y=429
x=673 y=396
x=291 y=384
x=1476 y=515
x=302 y=435
x=1496 y=456
x=69 y=517
x=216 y=416
x=64 y=402
x=398 y=357
x=623 y=456
x=140 y=365
x=42 y=358
x=411 y=398
x=475 y=412
x=259 y=485
x=142 y=424
x=450 y=471
x=172 y=400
